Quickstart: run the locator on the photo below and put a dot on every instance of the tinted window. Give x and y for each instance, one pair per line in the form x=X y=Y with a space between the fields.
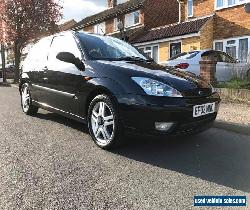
x=107 y=48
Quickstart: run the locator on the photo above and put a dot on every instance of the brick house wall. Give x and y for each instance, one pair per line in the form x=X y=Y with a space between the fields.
x=231 y=22
x=109 y=26
x=228 y=22
x=207 y=35
x=89 y=29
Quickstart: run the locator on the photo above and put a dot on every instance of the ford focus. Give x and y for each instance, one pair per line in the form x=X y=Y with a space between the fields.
x=109 y=85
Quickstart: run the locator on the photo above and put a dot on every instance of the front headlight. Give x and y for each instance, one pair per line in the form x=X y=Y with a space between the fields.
x=156 y=88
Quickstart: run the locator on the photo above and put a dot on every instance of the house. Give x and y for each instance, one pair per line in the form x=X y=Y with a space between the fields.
x=203 y=24
x=135 y=16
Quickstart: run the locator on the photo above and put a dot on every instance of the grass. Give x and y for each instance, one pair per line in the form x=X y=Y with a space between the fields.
x=235 y=84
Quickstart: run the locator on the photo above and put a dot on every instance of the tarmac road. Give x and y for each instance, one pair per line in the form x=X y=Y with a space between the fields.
x=50 y=162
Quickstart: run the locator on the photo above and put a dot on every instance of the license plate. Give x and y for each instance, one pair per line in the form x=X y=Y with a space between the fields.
x=204 y=109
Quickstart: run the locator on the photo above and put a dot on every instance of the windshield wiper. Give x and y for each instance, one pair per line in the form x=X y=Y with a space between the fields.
x=134 y=58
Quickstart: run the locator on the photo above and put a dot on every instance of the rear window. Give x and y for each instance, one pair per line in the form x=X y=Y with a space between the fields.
x=185 y=55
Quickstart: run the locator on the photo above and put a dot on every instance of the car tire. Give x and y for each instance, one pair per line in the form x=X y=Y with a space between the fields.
x=26 y=100
x=104 y=124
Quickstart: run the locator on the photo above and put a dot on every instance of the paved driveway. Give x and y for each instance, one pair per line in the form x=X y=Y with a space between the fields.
x=50 y=162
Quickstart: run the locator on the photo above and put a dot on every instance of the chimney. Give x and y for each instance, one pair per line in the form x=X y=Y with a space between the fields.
x=112 y=3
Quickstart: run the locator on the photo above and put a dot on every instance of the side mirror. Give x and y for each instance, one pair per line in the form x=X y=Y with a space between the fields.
x=70 y=58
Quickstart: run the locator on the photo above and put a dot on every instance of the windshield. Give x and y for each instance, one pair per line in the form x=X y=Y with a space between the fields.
x=185 y=55
x=108 y=48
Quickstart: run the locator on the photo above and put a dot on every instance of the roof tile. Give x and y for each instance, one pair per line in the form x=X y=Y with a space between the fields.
x=171 y=31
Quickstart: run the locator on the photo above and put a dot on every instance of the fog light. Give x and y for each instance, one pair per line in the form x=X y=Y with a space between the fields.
x=163 y=126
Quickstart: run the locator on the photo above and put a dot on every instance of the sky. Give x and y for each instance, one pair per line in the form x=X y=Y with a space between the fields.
x=79 y=9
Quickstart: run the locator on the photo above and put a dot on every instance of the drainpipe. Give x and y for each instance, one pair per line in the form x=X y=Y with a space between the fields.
x=181 y=3
x=179 y=10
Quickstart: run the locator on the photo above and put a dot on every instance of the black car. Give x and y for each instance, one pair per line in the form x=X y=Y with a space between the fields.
x=111 y=86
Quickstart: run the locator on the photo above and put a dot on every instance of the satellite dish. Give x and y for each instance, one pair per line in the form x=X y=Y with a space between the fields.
x=247 y=7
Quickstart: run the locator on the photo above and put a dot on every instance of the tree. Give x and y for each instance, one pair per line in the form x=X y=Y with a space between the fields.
x=26 y=20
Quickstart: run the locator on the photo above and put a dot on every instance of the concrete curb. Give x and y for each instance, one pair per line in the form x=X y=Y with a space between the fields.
x=234 y=127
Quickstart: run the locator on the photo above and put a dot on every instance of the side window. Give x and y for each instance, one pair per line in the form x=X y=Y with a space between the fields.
x=62 y=44
x=38 y=54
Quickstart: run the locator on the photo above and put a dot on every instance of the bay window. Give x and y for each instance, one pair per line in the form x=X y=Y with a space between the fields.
x=238 y=48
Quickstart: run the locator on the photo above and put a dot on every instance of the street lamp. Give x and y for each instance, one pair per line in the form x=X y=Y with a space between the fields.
x=121 y=28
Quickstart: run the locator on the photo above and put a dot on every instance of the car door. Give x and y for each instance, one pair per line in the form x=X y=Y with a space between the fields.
x=34 y=65
x=62 y=78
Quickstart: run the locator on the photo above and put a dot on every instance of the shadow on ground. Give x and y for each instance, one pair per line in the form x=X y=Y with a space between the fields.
x=216 y=155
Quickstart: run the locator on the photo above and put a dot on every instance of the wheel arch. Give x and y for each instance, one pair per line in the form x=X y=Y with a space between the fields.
x=98 y=91
x=24 y=79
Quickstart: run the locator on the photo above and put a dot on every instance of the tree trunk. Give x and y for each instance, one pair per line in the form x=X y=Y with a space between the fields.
x=3 y=62
x=17 y=52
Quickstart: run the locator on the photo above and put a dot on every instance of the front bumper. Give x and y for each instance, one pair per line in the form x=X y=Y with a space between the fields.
x=139 y=113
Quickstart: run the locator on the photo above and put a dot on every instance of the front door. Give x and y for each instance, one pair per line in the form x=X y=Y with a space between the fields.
x=175 y=49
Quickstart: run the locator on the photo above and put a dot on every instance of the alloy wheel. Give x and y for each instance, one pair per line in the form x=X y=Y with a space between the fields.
x=102 y=123
x=25 y=99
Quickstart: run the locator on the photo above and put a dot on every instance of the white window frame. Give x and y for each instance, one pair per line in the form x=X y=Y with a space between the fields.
x=224 y=41
x=190 y=15
x=135 y=24
x=225 y=4
x=97 y=30
x=151 y=50
x=121 y=1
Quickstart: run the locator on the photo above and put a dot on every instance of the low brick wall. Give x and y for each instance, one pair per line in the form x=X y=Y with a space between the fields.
x=241 y=95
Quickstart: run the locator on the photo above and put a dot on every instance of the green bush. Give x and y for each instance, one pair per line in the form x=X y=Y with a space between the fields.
x=235 y=84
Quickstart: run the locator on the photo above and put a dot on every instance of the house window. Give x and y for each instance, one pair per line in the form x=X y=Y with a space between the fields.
x=132 y=19
x=243 y=49
x=190 y=8
x=121 y=1
x=238 y=48
x=175 y=49
x=231 y=48
x=219 y=46
x=100 y=28
x=228 y=3
x=151 y=51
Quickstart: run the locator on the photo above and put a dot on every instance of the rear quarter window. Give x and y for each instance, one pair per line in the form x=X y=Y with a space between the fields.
x=38 y=55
